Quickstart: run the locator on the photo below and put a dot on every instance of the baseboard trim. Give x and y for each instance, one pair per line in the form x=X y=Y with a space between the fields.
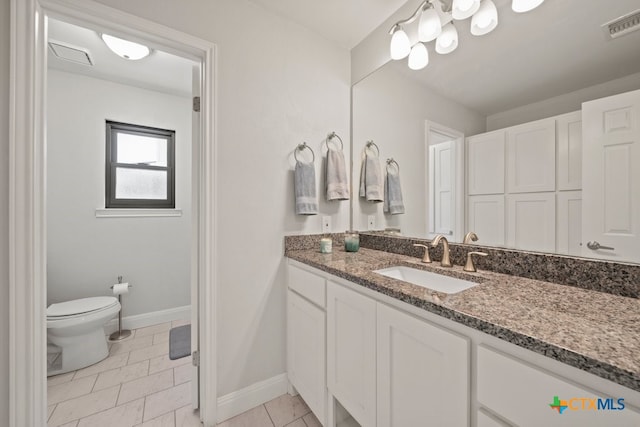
x=149 y=319
x=237 y=402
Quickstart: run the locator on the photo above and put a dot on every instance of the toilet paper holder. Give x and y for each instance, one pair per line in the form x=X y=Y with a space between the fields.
x=120 y=334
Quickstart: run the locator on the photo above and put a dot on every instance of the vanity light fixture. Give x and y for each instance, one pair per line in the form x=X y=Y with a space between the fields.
x=485 y=20
x=419 y=56
x=522 y=6
x=125 y=49
x=436 y=23
x=400 y=44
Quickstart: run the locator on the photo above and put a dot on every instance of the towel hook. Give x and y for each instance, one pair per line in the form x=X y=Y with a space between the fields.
x=332 y=135
x=301 y=147
x=390 y=162
x=371 y=143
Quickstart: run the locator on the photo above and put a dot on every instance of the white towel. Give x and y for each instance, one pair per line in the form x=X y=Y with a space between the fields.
x=370 y=179
x=305 y=189
x=393 y=203
x=336 y=176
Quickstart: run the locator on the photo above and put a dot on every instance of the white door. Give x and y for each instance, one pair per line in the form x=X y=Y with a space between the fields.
x=442 y=194
x=351 y=352
x=423 y=373
x=611 y=177
x=306 y=352
x=195 y=249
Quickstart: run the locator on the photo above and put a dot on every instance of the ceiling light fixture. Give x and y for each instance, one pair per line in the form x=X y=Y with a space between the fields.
x=125 y=49
x=436 y=23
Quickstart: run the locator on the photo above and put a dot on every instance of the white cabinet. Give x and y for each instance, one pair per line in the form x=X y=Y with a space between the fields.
x=569 y=141
x=423 y=372
x=524 y=395
x=306 y=339
x=531 y=157
x=351 y=352
x=531 y=221
x=569 y=219
x=306 y=352
x=485 y=216
x=485 y=163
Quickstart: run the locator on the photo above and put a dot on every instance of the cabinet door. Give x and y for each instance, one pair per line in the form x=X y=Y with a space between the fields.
x=306 y=352
x=531 y=221
x=485 y=158
x=569 y=226
x=486 y=219
x=610 y=190
x=351 y=352
x=531 y=157
x=423 y=373
x=569 y=138
x=524 y=395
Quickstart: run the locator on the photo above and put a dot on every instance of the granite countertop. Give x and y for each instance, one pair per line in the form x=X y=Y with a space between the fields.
x=593 y=331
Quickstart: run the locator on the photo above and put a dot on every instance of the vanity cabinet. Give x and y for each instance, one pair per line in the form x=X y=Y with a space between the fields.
x=351 y=352
x=306 y=339
x=422 y=374
x=499 y=376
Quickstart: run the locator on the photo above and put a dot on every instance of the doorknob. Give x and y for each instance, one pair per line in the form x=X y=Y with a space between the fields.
x=594 y=246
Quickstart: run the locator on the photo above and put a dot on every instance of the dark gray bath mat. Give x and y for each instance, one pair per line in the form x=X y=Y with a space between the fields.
x=179 y=342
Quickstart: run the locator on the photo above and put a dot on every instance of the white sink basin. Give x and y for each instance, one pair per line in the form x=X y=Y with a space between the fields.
x=427 y=279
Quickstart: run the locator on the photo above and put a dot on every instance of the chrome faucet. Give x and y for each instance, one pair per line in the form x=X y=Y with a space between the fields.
x=446 y=261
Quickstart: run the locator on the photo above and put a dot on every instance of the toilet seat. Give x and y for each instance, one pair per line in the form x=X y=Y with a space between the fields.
x=80 y=307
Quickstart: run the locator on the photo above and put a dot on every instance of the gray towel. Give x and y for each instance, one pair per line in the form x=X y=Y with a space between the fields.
x=305 y=189
x=370 y=179
x=393 y=203
x=336 y=177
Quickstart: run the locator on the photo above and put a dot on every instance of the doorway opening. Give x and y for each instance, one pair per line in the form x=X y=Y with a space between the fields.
x=30 y=222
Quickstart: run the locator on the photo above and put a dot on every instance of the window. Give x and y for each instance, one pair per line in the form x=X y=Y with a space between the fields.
x=140 y=167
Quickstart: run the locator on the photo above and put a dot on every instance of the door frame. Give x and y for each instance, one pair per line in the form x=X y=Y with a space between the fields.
x=460 y=174
x=27 y=195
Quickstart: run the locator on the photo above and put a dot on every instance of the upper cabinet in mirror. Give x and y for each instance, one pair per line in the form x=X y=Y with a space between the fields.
x=528 y=135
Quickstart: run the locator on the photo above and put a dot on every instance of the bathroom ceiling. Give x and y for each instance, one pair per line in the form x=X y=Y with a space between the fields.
x=175 y=77
x=346 y=22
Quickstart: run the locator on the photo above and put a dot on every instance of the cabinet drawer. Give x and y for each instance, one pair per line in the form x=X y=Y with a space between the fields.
x=307 y=284
x=523 y=394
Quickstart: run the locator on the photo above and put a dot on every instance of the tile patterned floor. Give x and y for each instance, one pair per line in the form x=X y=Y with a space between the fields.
x=137 y=385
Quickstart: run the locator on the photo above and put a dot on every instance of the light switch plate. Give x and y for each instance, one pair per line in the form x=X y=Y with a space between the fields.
x=326 y=224
x=371 y=222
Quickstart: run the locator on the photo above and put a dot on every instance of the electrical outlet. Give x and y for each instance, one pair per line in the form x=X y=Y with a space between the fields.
x=326 y=224
x=371 y=222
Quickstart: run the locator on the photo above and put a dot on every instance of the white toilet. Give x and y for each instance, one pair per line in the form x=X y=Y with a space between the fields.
x=77 y=327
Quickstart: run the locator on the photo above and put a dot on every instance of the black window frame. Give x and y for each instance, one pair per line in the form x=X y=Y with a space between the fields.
x=112 y=130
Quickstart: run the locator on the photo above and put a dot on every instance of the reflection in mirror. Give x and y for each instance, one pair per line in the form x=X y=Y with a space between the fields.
x=490 y=138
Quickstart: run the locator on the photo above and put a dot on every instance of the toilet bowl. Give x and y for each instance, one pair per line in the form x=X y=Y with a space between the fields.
x=77 y=328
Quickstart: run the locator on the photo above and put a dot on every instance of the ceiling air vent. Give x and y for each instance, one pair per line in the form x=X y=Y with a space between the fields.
x=622 y=26
x=70 y=53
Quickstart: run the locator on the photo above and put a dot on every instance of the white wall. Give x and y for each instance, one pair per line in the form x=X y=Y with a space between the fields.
x=86 y=254
x=391 y=110
x=562 y=103
x=4 y=212
x=278 y=84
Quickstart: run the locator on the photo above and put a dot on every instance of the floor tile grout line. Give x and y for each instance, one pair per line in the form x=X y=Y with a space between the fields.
x=269 y=415
x=71 y=398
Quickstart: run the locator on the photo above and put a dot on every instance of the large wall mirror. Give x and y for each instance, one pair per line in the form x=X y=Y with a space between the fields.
x=489 y=137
